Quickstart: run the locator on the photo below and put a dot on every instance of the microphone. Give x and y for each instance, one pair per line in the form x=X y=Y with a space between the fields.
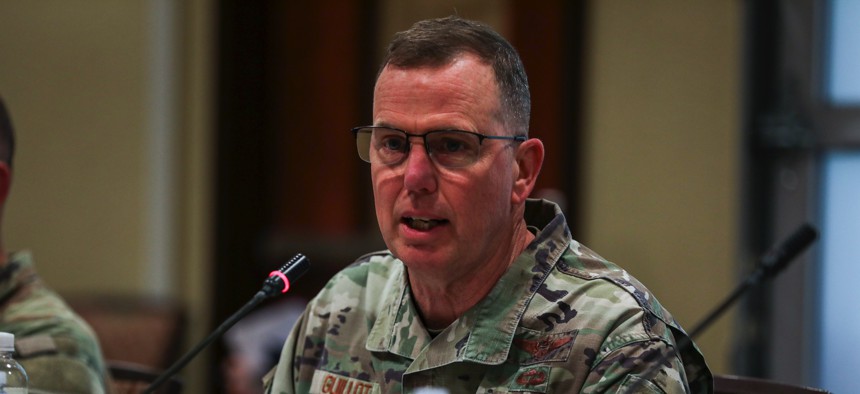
x=771 y=264
x=291 y=270
x=278 y=282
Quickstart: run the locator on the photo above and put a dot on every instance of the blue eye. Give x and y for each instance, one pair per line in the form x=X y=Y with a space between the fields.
x=451 y=146
x=394 y=143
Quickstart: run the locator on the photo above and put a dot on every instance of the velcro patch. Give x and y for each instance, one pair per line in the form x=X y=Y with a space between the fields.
x=534 y=379
x=544 y=348
x=34 y=346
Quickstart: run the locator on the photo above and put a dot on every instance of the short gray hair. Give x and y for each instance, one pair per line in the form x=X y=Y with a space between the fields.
x=436 y=42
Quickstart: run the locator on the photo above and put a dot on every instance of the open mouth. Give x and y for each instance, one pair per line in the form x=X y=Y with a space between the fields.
x=422 y=224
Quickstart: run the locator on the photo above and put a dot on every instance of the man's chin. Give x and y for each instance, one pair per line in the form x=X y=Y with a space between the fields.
x=420 y=258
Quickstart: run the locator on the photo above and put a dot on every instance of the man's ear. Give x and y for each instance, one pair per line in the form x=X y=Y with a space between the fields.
x=5 y=182
x=529 y=159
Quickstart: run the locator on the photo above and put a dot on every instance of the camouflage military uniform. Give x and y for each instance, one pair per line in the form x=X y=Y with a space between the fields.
x=560 y=320
x=57 y=349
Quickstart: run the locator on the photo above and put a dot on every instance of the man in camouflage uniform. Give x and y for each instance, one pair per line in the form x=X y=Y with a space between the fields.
x=57 y=349
x=482 y=290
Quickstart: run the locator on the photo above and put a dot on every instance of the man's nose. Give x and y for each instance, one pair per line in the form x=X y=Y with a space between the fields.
x=419 y=170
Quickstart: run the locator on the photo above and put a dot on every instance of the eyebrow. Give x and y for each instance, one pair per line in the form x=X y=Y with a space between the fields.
x=445 y=128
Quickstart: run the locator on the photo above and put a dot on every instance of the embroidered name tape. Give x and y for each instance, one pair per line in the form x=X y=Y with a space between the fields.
x=325 y=382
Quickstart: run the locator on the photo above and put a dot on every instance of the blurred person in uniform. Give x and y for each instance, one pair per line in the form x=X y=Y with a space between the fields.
x=254 y=344
x=58 y=350
x=482 y=289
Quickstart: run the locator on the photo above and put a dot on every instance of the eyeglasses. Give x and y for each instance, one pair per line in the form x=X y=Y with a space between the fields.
x=448 y=148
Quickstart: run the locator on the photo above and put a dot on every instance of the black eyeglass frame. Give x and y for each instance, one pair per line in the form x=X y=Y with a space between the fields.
x=481 y=137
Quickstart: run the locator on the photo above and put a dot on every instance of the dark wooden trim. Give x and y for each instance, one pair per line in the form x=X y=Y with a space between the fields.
x=550 y=36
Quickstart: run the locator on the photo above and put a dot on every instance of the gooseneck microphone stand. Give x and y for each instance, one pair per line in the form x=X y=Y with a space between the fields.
x=278 y=282
x=771 y=264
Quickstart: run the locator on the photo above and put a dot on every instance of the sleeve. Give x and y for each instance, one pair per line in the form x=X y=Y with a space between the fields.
x=61 y=373
x=638 y=367
x=636 y=351
x=56 y=347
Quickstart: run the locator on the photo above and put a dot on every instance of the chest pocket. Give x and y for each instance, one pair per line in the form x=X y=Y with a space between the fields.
x=529 y=365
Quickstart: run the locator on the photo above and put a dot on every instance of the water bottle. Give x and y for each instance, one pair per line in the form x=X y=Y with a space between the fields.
x=431 y=390
x=13 y=379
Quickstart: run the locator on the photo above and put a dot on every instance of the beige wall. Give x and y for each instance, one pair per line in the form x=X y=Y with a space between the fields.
x=74 y=77
x=110 y=100
x=663 y=140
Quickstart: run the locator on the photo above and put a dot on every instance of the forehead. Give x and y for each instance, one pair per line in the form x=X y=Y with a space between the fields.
x=464 y=88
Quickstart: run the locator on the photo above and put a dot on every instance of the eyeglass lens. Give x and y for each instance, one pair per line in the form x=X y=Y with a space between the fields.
x=449 y=148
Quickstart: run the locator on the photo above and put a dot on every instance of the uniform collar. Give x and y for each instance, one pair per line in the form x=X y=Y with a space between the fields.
x=398 y=328
x=483 y=334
